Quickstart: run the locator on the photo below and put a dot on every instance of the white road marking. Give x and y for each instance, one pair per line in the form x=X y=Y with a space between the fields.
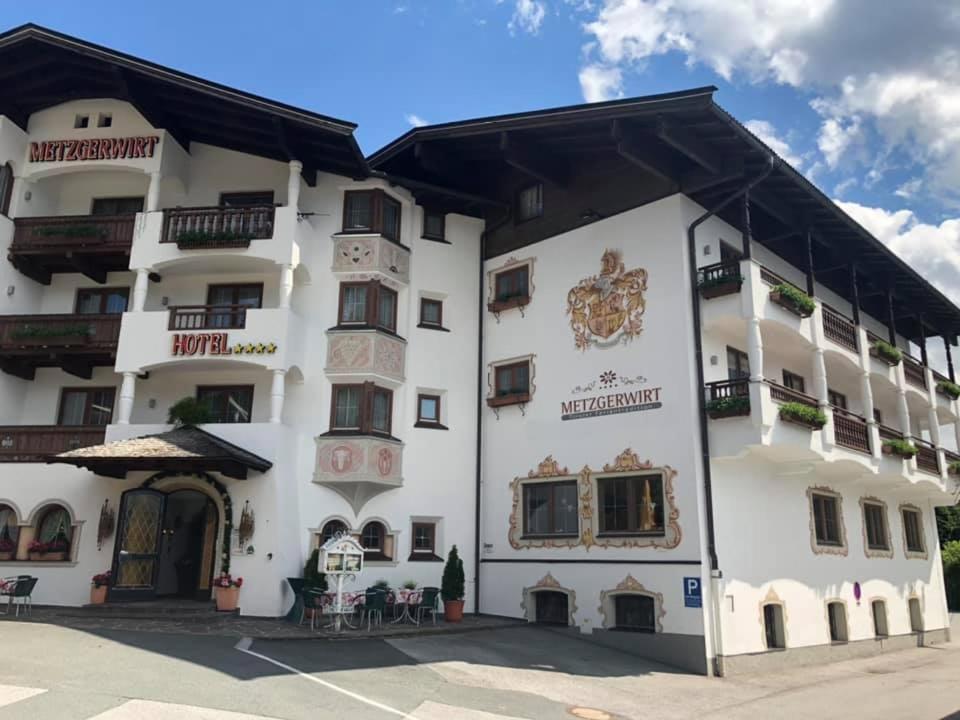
x=437 y=711
x=244 y=647
x=10 y=694
x=149 y=710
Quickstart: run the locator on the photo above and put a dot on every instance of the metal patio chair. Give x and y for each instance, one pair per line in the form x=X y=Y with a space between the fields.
x=429 y=598
x=375 y=603
x=19 y=592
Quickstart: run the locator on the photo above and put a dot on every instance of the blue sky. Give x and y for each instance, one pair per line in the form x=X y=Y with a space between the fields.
x=863 y=97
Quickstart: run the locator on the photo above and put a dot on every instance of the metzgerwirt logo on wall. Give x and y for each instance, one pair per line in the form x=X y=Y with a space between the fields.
x=607 y=309
x=611 y=394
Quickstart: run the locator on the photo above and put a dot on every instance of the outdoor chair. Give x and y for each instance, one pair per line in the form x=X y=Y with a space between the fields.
x=312 y=600
x=296 y=584
x=374 y=604
x=428 y=604
x=19 y=591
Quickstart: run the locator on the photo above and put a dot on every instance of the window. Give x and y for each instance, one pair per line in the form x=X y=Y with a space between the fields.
x=428 y=411
x=81 y=121
x=875 y=522
x=879 y=610
x=916 y=616
x=635 y=613
x=86 y=406
x=101 y=301
x=369 y=304
x=837 y=399
x=738 y=364
x=246 y=199
x=6 y=188
x=54 y=524
x=117 y=206
x=362 y=409
x=9 y=530
x=104 y=120
x=837 y=619
x=424 y=542
x=513 y=284
x=530 y=202
x=550 y=509
x=374 y=541
x=512 y=380
x=552 y=607
x=913 y=531
x=773 y=627
x=631 y=505
x=826 y=519
x=431 y=313
x=371 y=211
x=878 y=416
x=793 y=381
x=227 y=403
x=234 y=299
x=434 y=225
x=728 y=253
x=330 y=529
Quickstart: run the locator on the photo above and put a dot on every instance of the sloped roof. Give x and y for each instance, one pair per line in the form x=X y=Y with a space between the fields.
x=187 y=449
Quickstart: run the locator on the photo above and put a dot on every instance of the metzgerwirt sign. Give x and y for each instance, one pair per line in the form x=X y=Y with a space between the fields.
x=611 y=394
x=123 y=148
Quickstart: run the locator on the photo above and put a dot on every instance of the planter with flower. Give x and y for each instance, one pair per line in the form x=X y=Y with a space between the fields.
x=228 y=592
x=56 y=550
x=901 y=448
x=793 y=299
x=98 y=588
x=8 y=549
x=452 y=587
x=949 y=389
x=885 y=352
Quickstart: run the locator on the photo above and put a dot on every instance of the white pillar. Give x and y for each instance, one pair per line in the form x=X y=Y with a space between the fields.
x=153 y=192
x=286 y=286
x=293 y=184
x=820 y=389
x=755 y=349
x=276 y=396
x=866 y=401
x=140 y=290
x=127 y=394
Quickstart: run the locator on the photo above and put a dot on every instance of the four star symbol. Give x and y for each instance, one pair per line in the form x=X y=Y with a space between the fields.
x=255 y=349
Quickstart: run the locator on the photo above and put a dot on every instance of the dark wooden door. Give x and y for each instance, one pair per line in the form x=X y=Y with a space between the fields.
x=137 y=548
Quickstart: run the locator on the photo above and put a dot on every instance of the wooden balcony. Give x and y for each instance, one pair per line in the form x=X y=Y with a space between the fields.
x=37 y=443
x=913 y=371
x=719 y=279
x=926 y=456
x=207 y=317
x=88 y=244
x=214 y=228
x=75 y=343
x=839 y=329
x=781 y=394
x=850 y=430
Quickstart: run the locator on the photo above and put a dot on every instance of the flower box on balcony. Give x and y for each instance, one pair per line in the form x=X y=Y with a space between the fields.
x=56 y=550
x=729 y=407
x=720 y=287
x=886 y=352
x=948 y=389
x=508 y=399
x=790 y=298
x=199 y=240
x=953 y=468
x=901 y=448
x=499 y=305
x=803 y=415
x=40 y=334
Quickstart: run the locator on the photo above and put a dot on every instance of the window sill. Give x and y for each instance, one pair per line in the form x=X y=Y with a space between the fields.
x=512 y=399
x=369 y=233
x=625 y=534
x=376 y=557
x=565 y=536
x=430 y=425
x=424 y=557
x=358 y=434
x=423 y=326
x=497 y=306
x=363 y=327
x=435 y=239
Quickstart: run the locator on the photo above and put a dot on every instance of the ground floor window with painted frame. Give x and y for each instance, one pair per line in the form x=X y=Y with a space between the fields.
x=631 y=505
x=826 y=519
x=913 y=531
x=875 y=521
x=837 y=621
x=773 y=629
x=551 y=509
x=878 y=609
x=635 y=613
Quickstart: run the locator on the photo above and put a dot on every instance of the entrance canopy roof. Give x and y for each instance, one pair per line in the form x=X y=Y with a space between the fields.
x=184 y=449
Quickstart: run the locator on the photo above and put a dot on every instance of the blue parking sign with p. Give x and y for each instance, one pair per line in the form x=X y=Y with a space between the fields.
x=691 y=592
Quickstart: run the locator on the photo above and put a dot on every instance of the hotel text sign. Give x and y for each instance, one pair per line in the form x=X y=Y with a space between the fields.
x=609 y=399
x=125 y=148
x=216 y=343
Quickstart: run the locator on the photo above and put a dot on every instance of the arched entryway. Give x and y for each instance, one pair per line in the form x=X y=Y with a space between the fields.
x=166 y=545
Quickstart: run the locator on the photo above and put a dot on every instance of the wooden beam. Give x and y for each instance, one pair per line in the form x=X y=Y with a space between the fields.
x=690 y=145
x=30 y=268
x=77 y=368
x=773 y=206
x=17 y=369
x=128 y=89
x=700 y=179
x=643 y=153
x=293 y=152
x=536 y=163
x=85 y=265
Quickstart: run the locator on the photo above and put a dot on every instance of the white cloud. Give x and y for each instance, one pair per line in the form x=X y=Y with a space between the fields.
x=400 y=9
x=527 y=16
x=598 y=83
x=843 y=186
x=908 y=189
x=415 y=120
x=768 y=134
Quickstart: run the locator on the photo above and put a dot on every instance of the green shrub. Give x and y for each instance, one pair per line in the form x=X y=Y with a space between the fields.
x=949 y=388
x=887 y=351
x=44 y=331
x=74 y=231
x=189 y=411
x=313 y=579
x=953 y=468
x=901 y=447
x=200 y=239
x=382 y=583
x=803 y=413
x=453 y=584
x=739 y=404
x=951 y=573
x=720 y=280
x=803 y=302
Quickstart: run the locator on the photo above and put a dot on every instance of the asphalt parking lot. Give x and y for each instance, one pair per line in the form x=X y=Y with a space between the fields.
x=52 y=672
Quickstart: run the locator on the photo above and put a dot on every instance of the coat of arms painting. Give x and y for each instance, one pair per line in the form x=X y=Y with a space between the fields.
x=607 y=309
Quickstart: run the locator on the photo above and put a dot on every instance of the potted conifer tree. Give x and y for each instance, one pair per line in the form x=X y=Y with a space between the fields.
x=452 y=587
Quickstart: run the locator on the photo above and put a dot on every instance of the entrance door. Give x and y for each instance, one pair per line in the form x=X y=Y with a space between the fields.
x=135 y=560
x=187 y=546
x=552 y=608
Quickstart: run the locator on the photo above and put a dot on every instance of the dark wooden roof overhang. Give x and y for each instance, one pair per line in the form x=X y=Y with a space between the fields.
x=184 y=449
x=40 y=68
x=693 y=146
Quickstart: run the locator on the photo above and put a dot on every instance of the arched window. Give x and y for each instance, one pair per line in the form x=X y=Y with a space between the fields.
x=330 y=529
x=54 y=524
x=636 y=613
x=374 y=541
x=9 y=530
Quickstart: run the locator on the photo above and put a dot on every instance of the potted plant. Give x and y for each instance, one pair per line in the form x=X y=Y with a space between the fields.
x=452 y=587
x=98 y=588
x=8 y=548
x=882 y=350
x=800 y=414
x=58 y=549
x=409 y=584
x=228 y=592
x=36 y=550
x=313 y=579
x=382 y=584
x=954 y=468
x=44 y=334
x=189 y=411
x=949 y=389
x=720 y=284
x=793 y=299
x=734 y=406
x=901 y=448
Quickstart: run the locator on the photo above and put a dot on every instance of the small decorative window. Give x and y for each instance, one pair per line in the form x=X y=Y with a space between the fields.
x=428 y=411
x=738 y=364
x=424 y=541
x=773 y=630
x=434 y=225
x=81 y=121
x=916 y=616
x=368 y=304
x=530 y=202
x=879 y=610
x=9 y=531
x=374 y=541
x=330 y=529
x=86 y=406
x=838 y=400
x=837 y=620
x=104 y=120
x=913 y=531
x=363 y=409
x=371 y=211
x=826 y=519
x=101 y=301
x=551 y=509
x=631 y=505
x=635 y=613
x=875 y=523
x=513 y=286
x=227 y=403
x=793 y=381
x=54 y=534
x=431 y=313
x=511 y=383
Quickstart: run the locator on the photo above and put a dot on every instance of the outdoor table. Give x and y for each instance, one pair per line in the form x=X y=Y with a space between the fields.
x=348 y=609
x=406 y=598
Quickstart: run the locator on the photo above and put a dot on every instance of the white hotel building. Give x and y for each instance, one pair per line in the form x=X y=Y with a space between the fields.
x=593 y=347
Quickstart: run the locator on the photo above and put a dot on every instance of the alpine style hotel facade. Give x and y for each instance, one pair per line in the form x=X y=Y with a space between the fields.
x=640 y=371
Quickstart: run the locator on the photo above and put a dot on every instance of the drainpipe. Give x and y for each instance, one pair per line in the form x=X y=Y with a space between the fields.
x=701 y=403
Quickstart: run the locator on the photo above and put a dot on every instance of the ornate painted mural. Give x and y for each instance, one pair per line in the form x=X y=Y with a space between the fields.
x=365 y=352
x=358 y=468
x=371 y=254
x=606 y=310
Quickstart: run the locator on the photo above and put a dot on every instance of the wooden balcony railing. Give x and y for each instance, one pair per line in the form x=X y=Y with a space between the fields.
x=781 y=394
x=838 y=328
x=913 y=371
x=951 y=459
x=81 y=332
x=36 y=443
x=889 y=433
x=850 y=430
x=722 y=389
x=722 y=278
x=204 y=228
x=73 y=232
x=926 y=456
x=771 y=278
x=207 y=317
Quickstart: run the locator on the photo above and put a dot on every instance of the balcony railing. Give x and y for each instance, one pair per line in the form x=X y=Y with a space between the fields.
x=913 y=372
x=204 y=228
x=722 y=278
x=926 y=456
x=781 y=394
x=723 y=389
x=80 y=332
x=953 y=460
x=889 y=433
x=72 y=232
x=33 y=443
x=839 y=329
x=850 y=430
x=206 y=317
